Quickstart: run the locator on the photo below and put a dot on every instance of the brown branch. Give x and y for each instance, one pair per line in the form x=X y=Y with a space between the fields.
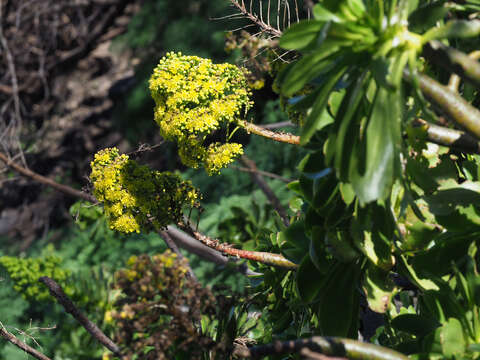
x=280 y=137
x=255 y=19
x=46 y=181
x=20 y=344
x=331 y=346
x=258 y=256
x=262 y=184
x=194 y=246
x=57 y=292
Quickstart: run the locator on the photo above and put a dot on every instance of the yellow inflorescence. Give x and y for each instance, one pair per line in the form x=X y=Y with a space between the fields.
x=195 y=97
x=135 y=197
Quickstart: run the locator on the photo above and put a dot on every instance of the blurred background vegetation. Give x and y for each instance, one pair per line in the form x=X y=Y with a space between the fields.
x=88 y=252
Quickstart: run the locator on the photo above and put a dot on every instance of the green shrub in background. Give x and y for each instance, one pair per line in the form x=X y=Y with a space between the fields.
x=384 y=213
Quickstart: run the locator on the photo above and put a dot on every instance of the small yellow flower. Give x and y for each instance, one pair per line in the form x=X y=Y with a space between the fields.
x=194 y=98
x=135 y=197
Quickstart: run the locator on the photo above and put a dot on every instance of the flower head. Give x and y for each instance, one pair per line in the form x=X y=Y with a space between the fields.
x=134 y=196
x=193 y=98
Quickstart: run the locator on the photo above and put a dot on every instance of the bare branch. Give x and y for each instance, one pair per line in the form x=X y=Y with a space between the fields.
x=258 y=256
x=263 y=173
x=255 y=19
x=46 y=181
x=280 y=137
x=57 y=292
x=20 y=344
x=272 y=198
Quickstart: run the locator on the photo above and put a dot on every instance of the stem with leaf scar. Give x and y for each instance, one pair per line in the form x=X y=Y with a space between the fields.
x=276 y=136
x=330 y=346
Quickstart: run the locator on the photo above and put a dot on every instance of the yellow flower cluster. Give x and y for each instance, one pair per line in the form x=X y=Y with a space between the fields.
x=134 y=196
x=193 y=98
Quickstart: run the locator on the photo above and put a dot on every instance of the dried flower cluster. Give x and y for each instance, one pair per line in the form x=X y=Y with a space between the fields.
x=194 y=98
x=158 y=316
x=134 y=196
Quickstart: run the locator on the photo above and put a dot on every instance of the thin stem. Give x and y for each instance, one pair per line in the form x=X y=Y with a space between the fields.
x=280 y=137
x=263 y=173
x=46 y=181
x=262 y=184
x=57 y=292
x=452 y=138
x=331 y=346
x=21 y=345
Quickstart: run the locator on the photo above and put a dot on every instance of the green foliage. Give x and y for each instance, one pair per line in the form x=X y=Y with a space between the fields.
x=26 y=272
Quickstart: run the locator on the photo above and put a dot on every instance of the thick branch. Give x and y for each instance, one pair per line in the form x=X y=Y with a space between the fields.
x=46 y=181
x=280 y=137
x=20 y=344
x=258 y=256
x=57 y=291
x=452 y=138
x=450 y=102
x=262 y=184
x=331 y=346
x=453 y=60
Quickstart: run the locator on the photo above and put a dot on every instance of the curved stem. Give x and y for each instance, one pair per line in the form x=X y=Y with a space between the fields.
x=280 y=137
x=330 y=346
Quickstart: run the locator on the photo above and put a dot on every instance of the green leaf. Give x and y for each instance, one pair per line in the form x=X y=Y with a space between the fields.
x=317 y=249
x=346 y=129
x=409 y=272
x=380 y=149
x=308 y=280
x=379 y=288
x=338 y=307
x=452 y=338
x=301 y=34
x=314 y=117
x=418 y=325
x=322 y=14
x=309 y=67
